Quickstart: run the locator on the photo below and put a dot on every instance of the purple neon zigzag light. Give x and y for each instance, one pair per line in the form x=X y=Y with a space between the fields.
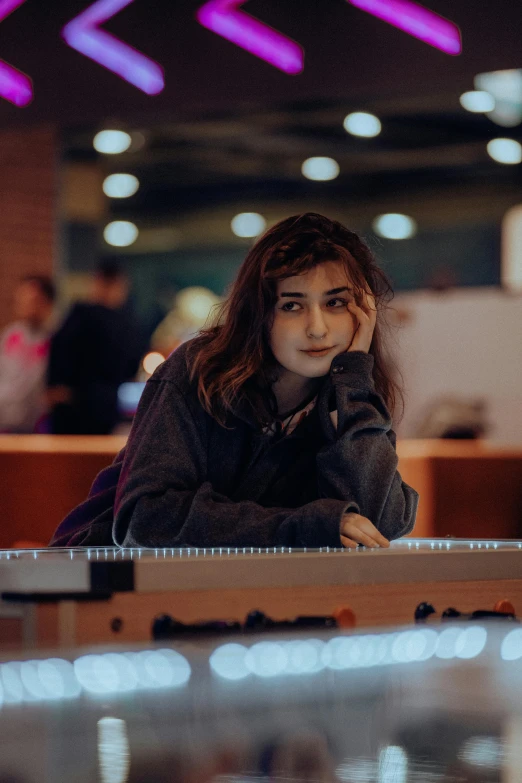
x=223 y=18
x=83 y=34
x=15 y=86
x=417 y=21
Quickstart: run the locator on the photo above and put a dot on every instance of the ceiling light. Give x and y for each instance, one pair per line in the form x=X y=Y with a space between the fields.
x=320 y=169
x=477 y=101
x=112 y=142
x=361 y=123
x=395 y=226
x=248 y=224
x=506 y=88
x=505 y=151
x=120 y=233
x=120 y=185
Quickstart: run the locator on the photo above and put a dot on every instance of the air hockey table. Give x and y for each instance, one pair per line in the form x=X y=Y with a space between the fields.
x=103 y=595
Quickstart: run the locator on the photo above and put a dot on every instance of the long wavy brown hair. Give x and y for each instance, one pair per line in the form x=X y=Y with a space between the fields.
x=232 y=361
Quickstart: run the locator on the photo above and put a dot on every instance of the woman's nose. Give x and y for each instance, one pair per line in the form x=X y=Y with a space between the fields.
x=316 y=327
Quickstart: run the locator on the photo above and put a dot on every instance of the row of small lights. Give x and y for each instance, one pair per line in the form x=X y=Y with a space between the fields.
x=119 y=673
x=122 y=233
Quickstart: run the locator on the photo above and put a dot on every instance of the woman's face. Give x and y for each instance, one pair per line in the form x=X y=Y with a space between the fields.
x=311 y=323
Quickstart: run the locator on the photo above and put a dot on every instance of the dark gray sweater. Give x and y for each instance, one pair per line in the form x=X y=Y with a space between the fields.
x=185 y=480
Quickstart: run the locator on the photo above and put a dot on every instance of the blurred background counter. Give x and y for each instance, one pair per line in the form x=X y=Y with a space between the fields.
x=44 y=477
x=470 y=489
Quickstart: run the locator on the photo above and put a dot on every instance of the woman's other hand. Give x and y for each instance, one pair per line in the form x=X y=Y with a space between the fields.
x=356 y=529
x=366 y=318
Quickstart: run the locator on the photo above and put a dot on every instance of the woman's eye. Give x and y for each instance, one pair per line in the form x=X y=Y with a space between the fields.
x=290 y=307
x=337 y=302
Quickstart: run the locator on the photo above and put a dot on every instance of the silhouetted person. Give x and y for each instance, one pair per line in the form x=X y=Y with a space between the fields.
x=24 y=353
x=95 y=350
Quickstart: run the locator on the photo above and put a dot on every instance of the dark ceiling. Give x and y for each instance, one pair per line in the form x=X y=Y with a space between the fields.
x=349 y=55
x=252 y=157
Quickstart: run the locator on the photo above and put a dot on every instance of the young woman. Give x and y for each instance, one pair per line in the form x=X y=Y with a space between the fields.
x=272 y=427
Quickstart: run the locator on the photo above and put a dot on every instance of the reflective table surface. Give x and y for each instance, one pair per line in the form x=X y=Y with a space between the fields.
x=429 y=703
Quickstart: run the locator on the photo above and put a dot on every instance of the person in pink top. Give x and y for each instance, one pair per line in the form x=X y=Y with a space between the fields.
x=24 y=354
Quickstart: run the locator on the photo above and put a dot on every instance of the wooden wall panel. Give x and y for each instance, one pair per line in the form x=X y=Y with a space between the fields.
x=28 y=189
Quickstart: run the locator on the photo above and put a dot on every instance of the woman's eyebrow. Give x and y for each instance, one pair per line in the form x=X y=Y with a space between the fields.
x=300 y=295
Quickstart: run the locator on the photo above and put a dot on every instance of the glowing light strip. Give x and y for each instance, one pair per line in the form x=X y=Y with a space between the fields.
x=259 y=39
x=15 y=86
x=417 y=21
x=83 y=34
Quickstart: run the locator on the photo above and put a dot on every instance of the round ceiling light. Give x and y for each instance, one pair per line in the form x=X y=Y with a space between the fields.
x=506 y=151
x=120 y=233
x=320 y=169
x=111 y=142
x=361 y=123
x=477 y=101
x=248 y=224
x=120 y=185
x=395 y=226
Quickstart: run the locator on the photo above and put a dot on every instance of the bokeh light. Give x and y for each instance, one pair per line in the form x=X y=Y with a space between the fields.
x=361 y=123
x=506 y=151
x=248 y=224
x=120 y=185
x=195 y=303
x=120 y=233
x=477 y=101
x=112 y=142
x=395 y=226
x=320 y=169
x=152 y=361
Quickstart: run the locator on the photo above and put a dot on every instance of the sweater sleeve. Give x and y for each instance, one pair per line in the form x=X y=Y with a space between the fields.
x=359 y=463
x=164 y=498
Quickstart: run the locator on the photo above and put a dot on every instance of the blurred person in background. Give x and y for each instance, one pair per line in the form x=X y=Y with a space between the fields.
x=24 y=354
x=96 y=349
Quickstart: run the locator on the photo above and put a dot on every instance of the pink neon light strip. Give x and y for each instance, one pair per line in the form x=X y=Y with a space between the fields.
x=223 y=18
x=417 y=21
x=15 y=86
x=82 y=34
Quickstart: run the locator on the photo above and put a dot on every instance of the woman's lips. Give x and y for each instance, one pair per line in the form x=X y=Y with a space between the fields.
x=319 y=352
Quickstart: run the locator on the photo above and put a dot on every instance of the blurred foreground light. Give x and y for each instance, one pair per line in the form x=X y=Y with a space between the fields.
x=152 y=361
x=506 y=151
x=267 y=659
x=477 y=101
x=248 y=224
x=305 y=656
x=393 y=765
x=511 y=264
x=120 y=185
x=482 y=752
x=471 y=642
x=361 y=123
x=122 y=673
x=120 y=233
x=395 y=226
x=228 y=662
x=113 y=750
x=511 y=649
x=320 y=169
x=112 y=142
x=464 y=643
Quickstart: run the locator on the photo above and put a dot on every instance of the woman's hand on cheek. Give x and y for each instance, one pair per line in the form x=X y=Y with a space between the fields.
x=356 y=529
x=366 y=318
